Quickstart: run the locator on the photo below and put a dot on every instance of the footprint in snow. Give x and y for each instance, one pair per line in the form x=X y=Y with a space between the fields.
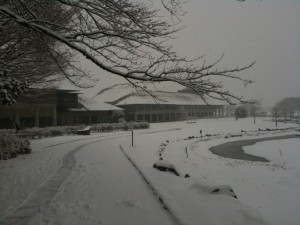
x=128 y=204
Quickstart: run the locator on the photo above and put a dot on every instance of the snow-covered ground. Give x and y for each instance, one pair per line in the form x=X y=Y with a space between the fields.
x=253 y=182
x=89 y=180
x=281 y=188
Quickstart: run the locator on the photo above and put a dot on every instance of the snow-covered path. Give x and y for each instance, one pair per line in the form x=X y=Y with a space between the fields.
x=98 y=185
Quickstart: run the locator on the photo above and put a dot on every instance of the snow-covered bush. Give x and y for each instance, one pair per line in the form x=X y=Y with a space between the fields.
x=165 y=166
x=214 y=189
x=106 y=127
x=11 y=145
x=37 y=132
x=116 y=115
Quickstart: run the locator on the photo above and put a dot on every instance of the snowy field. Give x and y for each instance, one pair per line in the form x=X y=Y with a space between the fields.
x=283 y=182
x=102 y=179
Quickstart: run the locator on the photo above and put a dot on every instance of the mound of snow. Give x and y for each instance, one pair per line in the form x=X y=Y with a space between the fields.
x=164 y=165
x=214 y=189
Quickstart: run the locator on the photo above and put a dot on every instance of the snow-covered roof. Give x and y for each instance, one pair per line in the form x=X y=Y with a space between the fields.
x=89 y=104
x=57 y=89
x=125 y=94
x=77 y=109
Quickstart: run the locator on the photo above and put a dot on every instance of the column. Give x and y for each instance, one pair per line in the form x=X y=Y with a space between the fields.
x=90 y=118
x=17 y=118
x=54 y=116
x=37 y=117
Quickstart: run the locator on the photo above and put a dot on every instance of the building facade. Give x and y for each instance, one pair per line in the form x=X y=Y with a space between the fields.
x=159 y=106
x=51 y=107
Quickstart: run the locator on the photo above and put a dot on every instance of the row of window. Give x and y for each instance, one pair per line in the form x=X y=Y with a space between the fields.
x=168 y=107
x=166 y=117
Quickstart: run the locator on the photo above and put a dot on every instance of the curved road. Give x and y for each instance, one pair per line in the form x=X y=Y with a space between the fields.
x=234 y=149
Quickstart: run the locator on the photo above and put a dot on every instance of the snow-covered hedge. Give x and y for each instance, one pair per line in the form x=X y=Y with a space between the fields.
x=105 y=127
x=11 y=145
x=36 y=132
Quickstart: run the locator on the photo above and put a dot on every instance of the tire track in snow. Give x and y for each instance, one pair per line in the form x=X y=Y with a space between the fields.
x=42 y=196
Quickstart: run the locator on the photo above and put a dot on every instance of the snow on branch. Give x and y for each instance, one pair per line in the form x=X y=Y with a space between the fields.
x=125 y=38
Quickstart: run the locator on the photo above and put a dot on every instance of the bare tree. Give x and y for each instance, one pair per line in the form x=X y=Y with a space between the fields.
x=288 y=106
x=33 y=56
x=125 y=38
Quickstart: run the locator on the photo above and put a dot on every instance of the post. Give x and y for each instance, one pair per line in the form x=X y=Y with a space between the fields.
x=186 y=152
x=285 y=116
x=254 y=113
x=131 y=134
x=201 y=133
x=276 y=116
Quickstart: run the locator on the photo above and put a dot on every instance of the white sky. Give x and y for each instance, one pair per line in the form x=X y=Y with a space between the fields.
x=265 y=31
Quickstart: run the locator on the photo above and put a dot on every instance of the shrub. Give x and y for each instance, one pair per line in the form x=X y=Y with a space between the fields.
x=241 y=112
x=11 y=145
x=106 y=127
x=36 y=132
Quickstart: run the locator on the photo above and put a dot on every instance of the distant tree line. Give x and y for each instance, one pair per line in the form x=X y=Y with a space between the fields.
x=288 y=107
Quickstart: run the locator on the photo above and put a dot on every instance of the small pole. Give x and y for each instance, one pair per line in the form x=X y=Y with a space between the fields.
x=254 y=113
x=131 y=134
x=201 y=133
x=186 y=152
x=285 y=116
x=276 y=116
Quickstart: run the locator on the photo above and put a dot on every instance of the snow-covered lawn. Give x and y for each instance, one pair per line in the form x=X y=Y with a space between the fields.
x=253 y=182
x=89 y=180
x=280 y=198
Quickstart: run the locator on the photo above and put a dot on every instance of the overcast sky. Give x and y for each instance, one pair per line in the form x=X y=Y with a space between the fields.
x=265 y=31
